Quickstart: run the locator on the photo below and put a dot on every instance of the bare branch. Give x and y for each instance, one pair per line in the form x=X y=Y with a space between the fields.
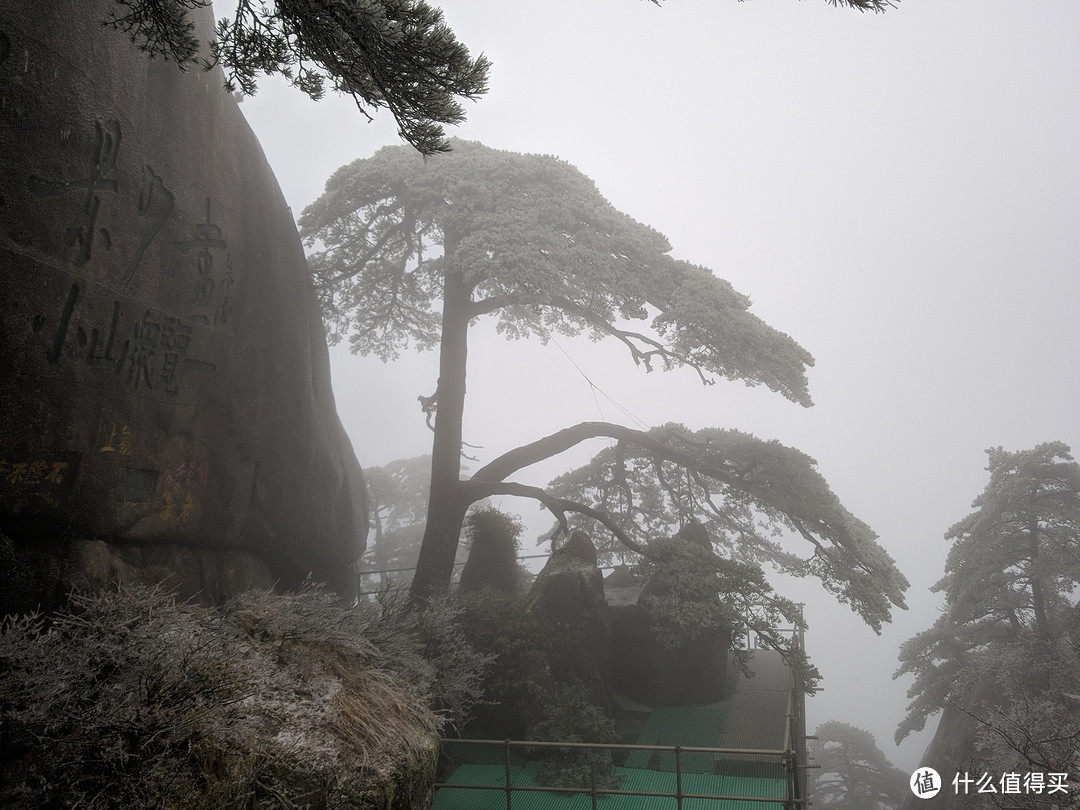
x=475 y=490
x=641 y=356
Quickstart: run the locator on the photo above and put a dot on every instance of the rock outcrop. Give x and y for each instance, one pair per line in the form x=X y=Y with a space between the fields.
x=165 y=404
x=568 y=597
x=644 y=668
x=953 y=749
x=492 y=563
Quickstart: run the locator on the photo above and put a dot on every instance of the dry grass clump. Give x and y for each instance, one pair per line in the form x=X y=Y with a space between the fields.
x=361 y=709
x=130 y=700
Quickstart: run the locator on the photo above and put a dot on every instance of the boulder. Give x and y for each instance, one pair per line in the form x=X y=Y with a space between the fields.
x=492 y=562
x=695 y=533
x=647 y=672
x=645 y=669
x=569 y=590
x=166 y=407
x=568 y=598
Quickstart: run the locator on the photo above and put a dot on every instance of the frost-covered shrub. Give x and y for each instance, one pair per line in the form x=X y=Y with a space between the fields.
x=525 y=700
x=498 y=624
x=569 y=717
x=130 y=700
x=18 y=589
x=452 y=668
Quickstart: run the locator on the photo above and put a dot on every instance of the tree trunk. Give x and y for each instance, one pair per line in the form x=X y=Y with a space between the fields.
x=1038 y=593
x=447 y=502
x=378 y=553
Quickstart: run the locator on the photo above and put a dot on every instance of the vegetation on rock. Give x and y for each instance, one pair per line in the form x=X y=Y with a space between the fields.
x=494 y=540
x=692 y=594
x=128 y=699
x=528 y=695
x=1005 y=651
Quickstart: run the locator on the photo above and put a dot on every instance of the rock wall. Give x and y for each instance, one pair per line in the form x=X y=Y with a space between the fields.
x=165 y=400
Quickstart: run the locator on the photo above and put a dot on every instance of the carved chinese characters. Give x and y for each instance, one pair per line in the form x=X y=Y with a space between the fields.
x=164 y=380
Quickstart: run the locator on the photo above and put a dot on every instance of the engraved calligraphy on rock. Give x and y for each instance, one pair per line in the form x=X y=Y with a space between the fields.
x=148 y=349
x=82 y=232
x=151 y=391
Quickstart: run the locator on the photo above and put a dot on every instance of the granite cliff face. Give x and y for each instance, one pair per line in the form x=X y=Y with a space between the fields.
x=165 y=400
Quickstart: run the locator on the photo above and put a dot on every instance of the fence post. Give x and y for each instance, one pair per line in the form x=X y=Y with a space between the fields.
x=791 y=766
x=678 y=777
x=506 y=748
x=592 y=770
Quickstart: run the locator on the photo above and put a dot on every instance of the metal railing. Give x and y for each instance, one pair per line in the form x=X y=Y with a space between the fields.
x=365 y=573
x=786 y=758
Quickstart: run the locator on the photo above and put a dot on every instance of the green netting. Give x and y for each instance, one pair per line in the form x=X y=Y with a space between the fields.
x=679 y=725
x=632 y=779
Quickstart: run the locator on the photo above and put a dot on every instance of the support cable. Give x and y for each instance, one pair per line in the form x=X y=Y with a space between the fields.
x=594 y=388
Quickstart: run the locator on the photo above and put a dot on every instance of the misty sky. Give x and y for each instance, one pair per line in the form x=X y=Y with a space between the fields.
x=900 y=193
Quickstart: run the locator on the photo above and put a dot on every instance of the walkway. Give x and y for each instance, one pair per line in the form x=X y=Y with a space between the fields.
x=753 y=718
